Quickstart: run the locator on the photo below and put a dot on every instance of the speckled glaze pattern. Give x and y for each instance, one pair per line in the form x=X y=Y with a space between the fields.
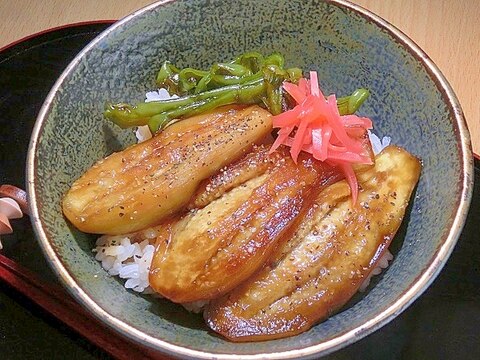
x=349 y=49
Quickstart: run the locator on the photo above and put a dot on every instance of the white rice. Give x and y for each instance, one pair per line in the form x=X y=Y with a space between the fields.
x=196 y=306
x=381 y=265
x=377 y=144
x=157 y=95
x=143 y=132
x=131 y=260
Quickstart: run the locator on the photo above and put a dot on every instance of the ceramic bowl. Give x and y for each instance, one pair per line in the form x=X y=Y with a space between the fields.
x=349 y=47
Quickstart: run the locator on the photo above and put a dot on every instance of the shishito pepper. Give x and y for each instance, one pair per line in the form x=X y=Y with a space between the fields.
x=248 y=79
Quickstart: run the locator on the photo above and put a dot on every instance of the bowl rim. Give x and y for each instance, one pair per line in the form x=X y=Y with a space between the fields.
x=422 y=282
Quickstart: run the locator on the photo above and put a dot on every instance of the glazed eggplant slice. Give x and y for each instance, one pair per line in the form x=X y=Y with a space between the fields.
x=253 y=164
x=333 y=249
x=209 y=251
x=138 y=187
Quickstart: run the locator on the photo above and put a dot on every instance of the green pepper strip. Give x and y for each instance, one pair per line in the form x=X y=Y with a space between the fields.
x=350 y=104
x=158 y=114
x=127 y=116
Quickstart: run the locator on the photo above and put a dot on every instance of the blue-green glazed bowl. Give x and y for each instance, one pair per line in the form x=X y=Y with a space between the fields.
x=350 y=48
